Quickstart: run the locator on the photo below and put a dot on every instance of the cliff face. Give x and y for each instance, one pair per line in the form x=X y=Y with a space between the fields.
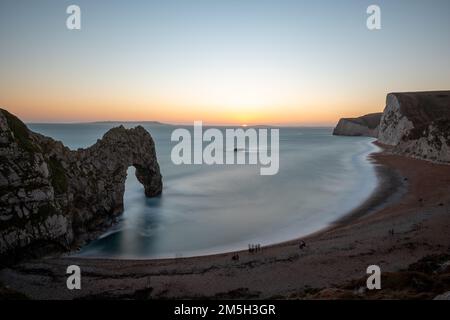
x=417 y=124
x=363 y=126
x=54 y=198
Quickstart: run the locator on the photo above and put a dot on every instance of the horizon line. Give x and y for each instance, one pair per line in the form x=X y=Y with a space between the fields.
x=288 y=125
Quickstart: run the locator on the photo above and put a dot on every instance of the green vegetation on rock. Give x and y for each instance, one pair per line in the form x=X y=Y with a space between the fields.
x=20 y=131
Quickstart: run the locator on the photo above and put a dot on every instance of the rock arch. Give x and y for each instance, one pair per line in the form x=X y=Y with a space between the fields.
x=51 y=194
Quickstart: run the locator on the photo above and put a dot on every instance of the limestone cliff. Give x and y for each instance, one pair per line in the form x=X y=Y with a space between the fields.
x=417 y=124
x=53 y=198
x=363 y=126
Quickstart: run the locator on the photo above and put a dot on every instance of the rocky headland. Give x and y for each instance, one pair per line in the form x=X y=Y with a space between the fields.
x=417 y=124
x=53 y=199
x=366 y=125
x=414 y=124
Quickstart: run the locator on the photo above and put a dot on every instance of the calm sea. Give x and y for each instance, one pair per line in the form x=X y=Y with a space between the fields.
x=211 y=209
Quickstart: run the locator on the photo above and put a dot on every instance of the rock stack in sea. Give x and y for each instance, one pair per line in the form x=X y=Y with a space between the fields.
x=55 y=199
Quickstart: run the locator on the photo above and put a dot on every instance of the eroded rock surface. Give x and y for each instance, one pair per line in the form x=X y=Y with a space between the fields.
x=417 y=124
x=366 y=125
x=53 y=198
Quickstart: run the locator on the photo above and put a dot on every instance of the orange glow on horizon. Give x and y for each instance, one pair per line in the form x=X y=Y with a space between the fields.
x=114 y=105
x=280 y=65
x=181 y=115
x=162 y=112
x=231 y=97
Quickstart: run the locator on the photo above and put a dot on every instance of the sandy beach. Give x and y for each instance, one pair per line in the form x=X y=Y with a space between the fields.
x=405 y=220
x=265 y=152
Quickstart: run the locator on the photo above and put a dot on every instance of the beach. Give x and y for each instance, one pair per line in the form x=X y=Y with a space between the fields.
x=210 y=209
x=406 y=219
x=270 y=152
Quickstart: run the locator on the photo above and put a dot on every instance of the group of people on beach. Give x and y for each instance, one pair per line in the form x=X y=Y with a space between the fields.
x=253 y=248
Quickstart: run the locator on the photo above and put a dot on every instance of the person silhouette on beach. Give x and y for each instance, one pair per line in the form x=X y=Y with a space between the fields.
x=302 y=244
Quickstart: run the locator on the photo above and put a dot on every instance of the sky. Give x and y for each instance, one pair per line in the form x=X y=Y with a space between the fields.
x=220 y=61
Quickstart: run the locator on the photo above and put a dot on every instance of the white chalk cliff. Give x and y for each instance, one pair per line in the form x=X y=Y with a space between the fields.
x=414 y=124
x=417 y=124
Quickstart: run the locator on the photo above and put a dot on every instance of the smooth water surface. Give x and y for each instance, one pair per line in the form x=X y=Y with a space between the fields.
x=210 y=209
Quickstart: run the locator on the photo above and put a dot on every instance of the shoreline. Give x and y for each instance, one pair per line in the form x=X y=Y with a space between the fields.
x=389 y=187
x=419 y=216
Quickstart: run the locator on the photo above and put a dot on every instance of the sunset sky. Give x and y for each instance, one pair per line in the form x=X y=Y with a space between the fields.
x=223 y=62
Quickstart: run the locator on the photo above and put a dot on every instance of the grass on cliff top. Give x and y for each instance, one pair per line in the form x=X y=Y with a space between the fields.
x=20 y=131
x=22 y=137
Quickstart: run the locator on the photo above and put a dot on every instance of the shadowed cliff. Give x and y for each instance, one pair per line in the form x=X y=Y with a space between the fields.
x=414 y=124
x=417 y=124
x=53 y=199
x=366 y=125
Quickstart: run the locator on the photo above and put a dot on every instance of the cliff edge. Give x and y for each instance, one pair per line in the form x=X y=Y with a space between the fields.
x=417 y=124
x=53 y=199
x=366 y=125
